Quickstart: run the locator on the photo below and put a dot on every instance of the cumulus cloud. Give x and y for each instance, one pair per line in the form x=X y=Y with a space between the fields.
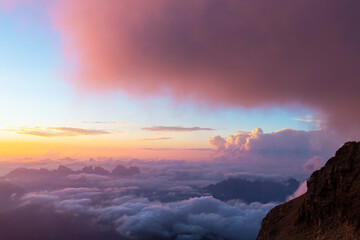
x=218 y=142
x=237 y=141
x=175 y=129
x=287 y=149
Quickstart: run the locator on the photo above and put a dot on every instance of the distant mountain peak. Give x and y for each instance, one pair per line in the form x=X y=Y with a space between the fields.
x=100 y=171
x=64 y=170
x=120 y=170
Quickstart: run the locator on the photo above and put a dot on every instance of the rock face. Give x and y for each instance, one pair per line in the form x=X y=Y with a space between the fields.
x=330 y=209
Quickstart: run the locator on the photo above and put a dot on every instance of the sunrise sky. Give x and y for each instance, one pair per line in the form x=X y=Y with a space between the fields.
x=174 y=119
x=161 y=80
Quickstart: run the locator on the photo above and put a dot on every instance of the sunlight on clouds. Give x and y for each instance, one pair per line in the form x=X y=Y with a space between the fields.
x=57 y=131
x=158 y=129
x=106 y=122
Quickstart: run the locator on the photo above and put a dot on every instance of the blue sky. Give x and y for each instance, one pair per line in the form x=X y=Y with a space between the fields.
x=35 y=93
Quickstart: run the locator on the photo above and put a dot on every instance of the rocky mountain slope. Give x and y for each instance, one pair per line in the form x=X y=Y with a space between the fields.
x=330 y=209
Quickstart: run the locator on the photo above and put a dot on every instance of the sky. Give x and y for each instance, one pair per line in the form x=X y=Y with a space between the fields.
x=35 y=93
x=159 y=80
x=166 y=119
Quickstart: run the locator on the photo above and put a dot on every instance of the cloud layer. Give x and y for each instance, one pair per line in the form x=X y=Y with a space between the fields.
x=234 y=52
x=138 y=218
x=171 y=199
x=280 y=151
x=165 y=201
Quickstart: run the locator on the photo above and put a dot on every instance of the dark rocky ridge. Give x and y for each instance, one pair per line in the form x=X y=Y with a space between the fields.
x=330 y=209
x=45 y=179
x=118 y=171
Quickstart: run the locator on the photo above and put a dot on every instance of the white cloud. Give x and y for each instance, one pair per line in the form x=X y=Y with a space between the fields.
x=282 y=151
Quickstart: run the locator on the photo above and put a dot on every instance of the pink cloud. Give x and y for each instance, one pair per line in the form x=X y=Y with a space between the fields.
x=218 y=142
x=233 y=52
x=175 y=129
x=294 y=151
x=10 y=5
x=300 y=191
x=58 y=131
x=240 y=53
x=313 y=164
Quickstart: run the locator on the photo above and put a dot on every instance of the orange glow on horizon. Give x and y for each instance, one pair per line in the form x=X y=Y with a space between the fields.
x=92 y=149
x=84 y=143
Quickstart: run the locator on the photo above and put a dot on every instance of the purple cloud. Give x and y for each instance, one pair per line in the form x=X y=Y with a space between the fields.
x=175 y=129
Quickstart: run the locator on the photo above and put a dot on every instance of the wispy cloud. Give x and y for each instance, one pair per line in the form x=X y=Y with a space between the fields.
x=105 y=122
x=57 y=131
x=155 y=139
x=175 y=129
x=307 y=118
x=178 y=149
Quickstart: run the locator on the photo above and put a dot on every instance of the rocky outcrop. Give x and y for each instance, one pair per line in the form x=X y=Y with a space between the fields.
x=330 y=209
